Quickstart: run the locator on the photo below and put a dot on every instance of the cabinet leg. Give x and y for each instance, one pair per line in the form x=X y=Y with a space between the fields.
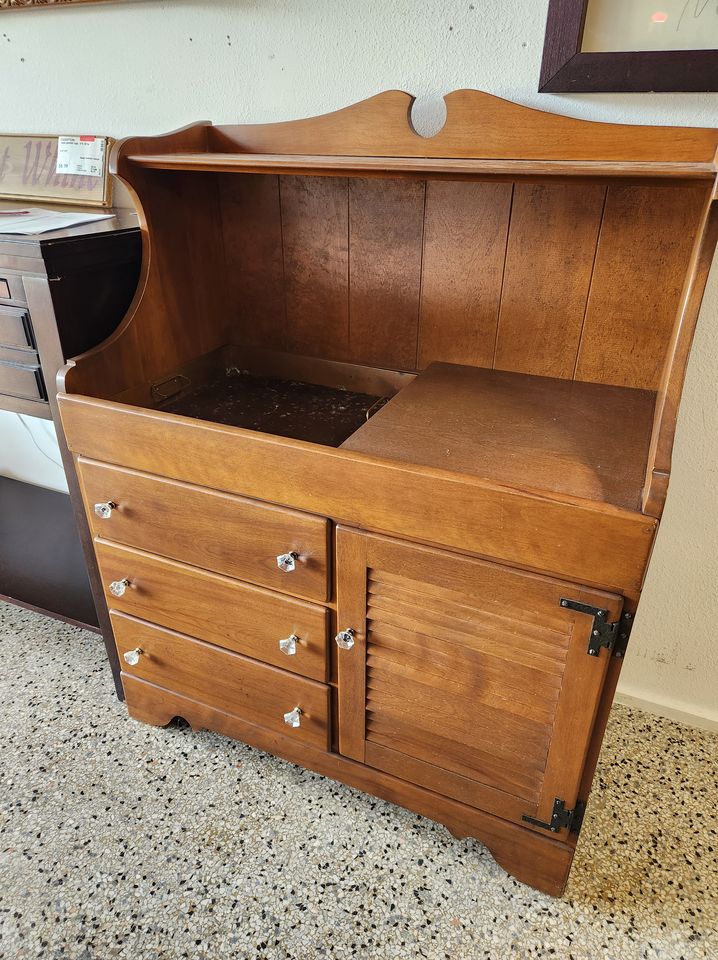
x=546 y=871
x=151 y=711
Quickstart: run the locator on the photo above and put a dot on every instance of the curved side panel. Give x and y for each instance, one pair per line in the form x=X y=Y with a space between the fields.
x=179 y=216
x=676 y=363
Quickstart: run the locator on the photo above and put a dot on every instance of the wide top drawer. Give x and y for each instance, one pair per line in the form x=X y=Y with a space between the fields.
x=246 y=539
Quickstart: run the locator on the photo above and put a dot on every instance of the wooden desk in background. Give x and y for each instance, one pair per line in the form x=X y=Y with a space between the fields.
x=61 y=293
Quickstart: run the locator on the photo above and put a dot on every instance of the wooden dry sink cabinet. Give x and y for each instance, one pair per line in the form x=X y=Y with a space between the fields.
x=417 y=396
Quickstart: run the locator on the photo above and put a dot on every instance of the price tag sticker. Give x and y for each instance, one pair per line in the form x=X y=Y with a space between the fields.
x=81 y=155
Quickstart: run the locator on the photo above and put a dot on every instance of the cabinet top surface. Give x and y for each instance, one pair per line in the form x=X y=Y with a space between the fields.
x=583 y=440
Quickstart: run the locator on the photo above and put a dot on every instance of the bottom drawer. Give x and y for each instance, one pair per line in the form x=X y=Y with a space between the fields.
x=227 y=681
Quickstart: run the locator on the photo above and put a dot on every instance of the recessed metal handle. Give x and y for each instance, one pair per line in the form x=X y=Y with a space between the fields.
x=289 y=645
x=118 y=587
x=132 y=656
x=294 y=717
x=287 y=561
x=104 y=510
x=345 y=638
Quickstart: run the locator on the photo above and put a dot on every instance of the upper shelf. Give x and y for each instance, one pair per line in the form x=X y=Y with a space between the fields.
x=421 y=166
x=483 y=136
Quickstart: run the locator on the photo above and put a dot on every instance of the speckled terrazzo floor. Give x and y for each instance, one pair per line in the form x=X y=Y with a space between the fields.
x=122 y=840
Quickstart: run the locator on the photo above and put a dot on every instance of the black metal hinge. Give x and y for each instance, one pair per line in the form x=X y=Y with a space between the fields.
x=613 y=636
x=561 y=818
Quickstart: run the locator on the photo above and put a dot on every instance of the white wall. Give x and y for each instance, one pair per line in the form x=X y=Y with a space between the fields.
x=28 y=451
x=148 y=66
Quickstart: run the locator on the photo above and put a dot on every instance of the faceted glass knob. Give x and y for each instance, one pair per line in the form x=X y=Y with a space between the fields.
x=289 y=645
x=287 y=561
x=132 y=656
x=294 y=717
x=345 y=638
x=104 y=510
x=118 y=587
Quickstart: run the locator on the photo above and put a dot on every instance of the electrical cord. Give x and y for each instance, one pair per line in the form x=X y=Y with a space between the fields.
x=36 y=444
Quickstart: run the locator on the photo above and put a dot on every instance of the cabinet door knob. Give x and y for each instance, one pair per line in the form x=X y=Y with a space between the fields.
x=345 y=638
x=287 y=561
x=294 y=717
x=104 y=510
x=289 y=645
x=132 y=656
x=118 y=587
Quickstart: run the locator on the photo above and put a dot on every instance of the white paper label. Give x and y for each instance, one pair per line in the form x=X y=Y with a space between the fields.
x=81 y=155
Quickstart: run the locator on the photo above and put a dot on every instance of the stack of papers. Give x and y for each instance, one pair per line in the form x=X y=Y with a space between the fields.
x=31 y=220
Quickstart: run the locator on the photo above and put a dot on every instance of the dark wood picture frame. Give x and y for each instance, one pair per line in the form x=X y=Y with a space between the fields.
x=566 y=69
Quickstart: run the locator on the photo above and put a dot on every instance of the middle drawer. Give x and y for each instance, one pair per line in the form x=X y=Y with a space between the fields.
x=267 y=626
x=216 y=531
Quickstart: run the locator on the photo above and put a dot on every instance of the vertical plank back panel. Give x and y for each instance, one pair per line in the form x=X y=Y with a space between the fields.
x=252 y=229
x=569 y=280
x=464 y=250
x=643 y=254
x=549 y=261
x=386 y=220
x=315 y=227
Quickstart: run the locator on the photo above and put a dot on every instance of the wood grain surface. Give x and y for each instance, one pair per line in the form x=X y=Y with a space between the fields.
x=466 y=668
x=585 y=440
x=477 y=125
x=515 y=525
x=224 y=680
x=466 y=226
x=544 y=293
x=222 y=611
x=533 y=858
x=208 y=529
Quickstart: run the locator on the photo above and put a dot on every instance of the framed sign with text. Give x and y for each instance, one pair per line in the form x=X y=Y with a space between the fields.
x=630 y=46
x=62 y=169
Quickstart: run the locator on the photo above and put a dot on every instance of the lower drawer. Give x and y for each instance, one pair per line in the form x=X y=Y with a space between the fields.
x=21 y=380
x=225 y=612
x=253 y=692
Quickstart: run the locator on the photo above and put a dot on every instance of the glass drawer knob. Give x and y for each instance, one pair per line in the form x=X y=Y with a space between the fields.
x=289 y=645
x=118 y=587
x=132 y=656
x=294 y=717
x=287 y=561
x=345 y=638
x=104 y=510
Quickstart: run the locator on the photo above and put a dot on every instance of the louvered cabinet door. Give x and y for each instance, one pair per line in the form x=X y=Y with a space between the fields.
x=466 y=677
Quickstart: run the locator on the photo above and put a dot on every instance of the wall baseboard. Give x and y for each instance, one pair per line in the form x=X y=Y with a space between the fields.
x=680 y=713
